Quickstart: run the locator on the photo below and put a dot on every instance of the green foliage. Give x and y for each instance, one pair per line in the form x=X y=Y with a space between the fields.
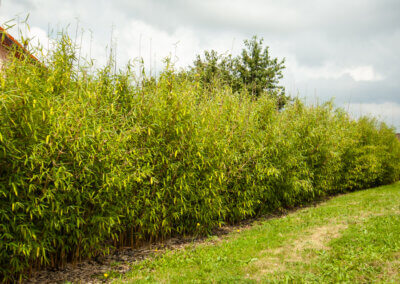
x=253 y=71
x=89 y=162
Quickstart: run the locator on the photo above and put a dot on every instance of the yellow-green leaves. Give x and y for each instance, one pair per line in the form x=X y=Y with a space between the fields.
x=91 y=161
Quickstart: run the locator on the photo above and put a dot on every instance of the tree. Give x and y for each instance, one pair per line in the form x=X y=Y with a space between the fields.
x=215 y=68
x=253 y=70
x=257 y=70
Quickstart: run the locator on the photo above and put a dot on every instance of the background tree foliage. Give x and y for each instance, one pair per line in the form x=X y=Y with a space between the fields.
x=254 y=71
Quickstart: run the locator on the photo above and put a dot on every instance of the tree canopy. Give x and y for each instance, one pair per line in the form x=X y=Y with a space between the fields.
x=254 y=70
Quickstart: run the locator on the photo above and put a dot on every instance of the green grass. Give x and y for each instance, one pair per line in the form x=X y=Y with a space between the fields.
x=350 y=238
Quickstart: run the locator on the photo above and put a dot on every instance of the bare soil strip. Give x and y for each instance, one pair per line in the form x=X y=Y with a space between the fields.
x=278 y=259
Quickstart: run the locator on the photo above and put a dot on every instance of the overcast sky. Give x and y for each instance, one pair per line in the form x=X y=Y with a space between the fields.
x=342 y=49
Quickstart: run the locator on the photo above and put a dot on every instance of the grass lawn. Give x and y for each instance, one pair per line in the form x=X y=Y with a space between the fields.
x=350 y=238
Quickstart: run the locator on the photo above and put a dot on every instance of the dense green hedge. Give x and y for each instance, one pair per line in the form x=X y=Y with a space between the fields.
x=91 y=160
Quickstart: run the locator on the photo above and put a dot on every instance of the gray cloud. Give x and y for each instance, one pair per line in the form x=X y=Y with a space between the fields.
x=346 y=90
x=341 y=48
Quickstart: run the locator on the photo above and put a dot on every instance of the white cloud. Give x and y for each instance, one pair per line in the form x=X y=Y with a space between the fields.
x=140 y=40
x=331 y=70
x=363 y=73
x=39 y=39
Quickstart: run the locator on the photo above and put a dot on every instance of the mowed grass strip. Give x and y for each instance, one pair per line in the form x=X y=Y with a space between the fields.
x=353 y=237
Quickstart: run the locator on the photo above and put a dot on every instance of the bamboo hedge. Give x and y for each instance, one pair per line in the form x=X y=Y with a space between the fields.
x=92 y=160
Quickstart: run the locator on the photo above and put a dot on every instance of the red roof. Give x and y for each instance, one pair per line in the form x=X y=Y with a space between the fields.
x=10 y=42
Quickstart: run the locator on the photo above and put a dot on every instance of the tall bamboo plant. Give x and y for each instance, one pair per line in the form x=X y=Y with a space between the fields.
x=94 y=160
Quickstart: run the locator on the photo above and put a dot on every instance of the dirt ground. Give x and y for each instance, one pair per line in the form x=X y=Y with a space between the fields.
x=119 y=261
